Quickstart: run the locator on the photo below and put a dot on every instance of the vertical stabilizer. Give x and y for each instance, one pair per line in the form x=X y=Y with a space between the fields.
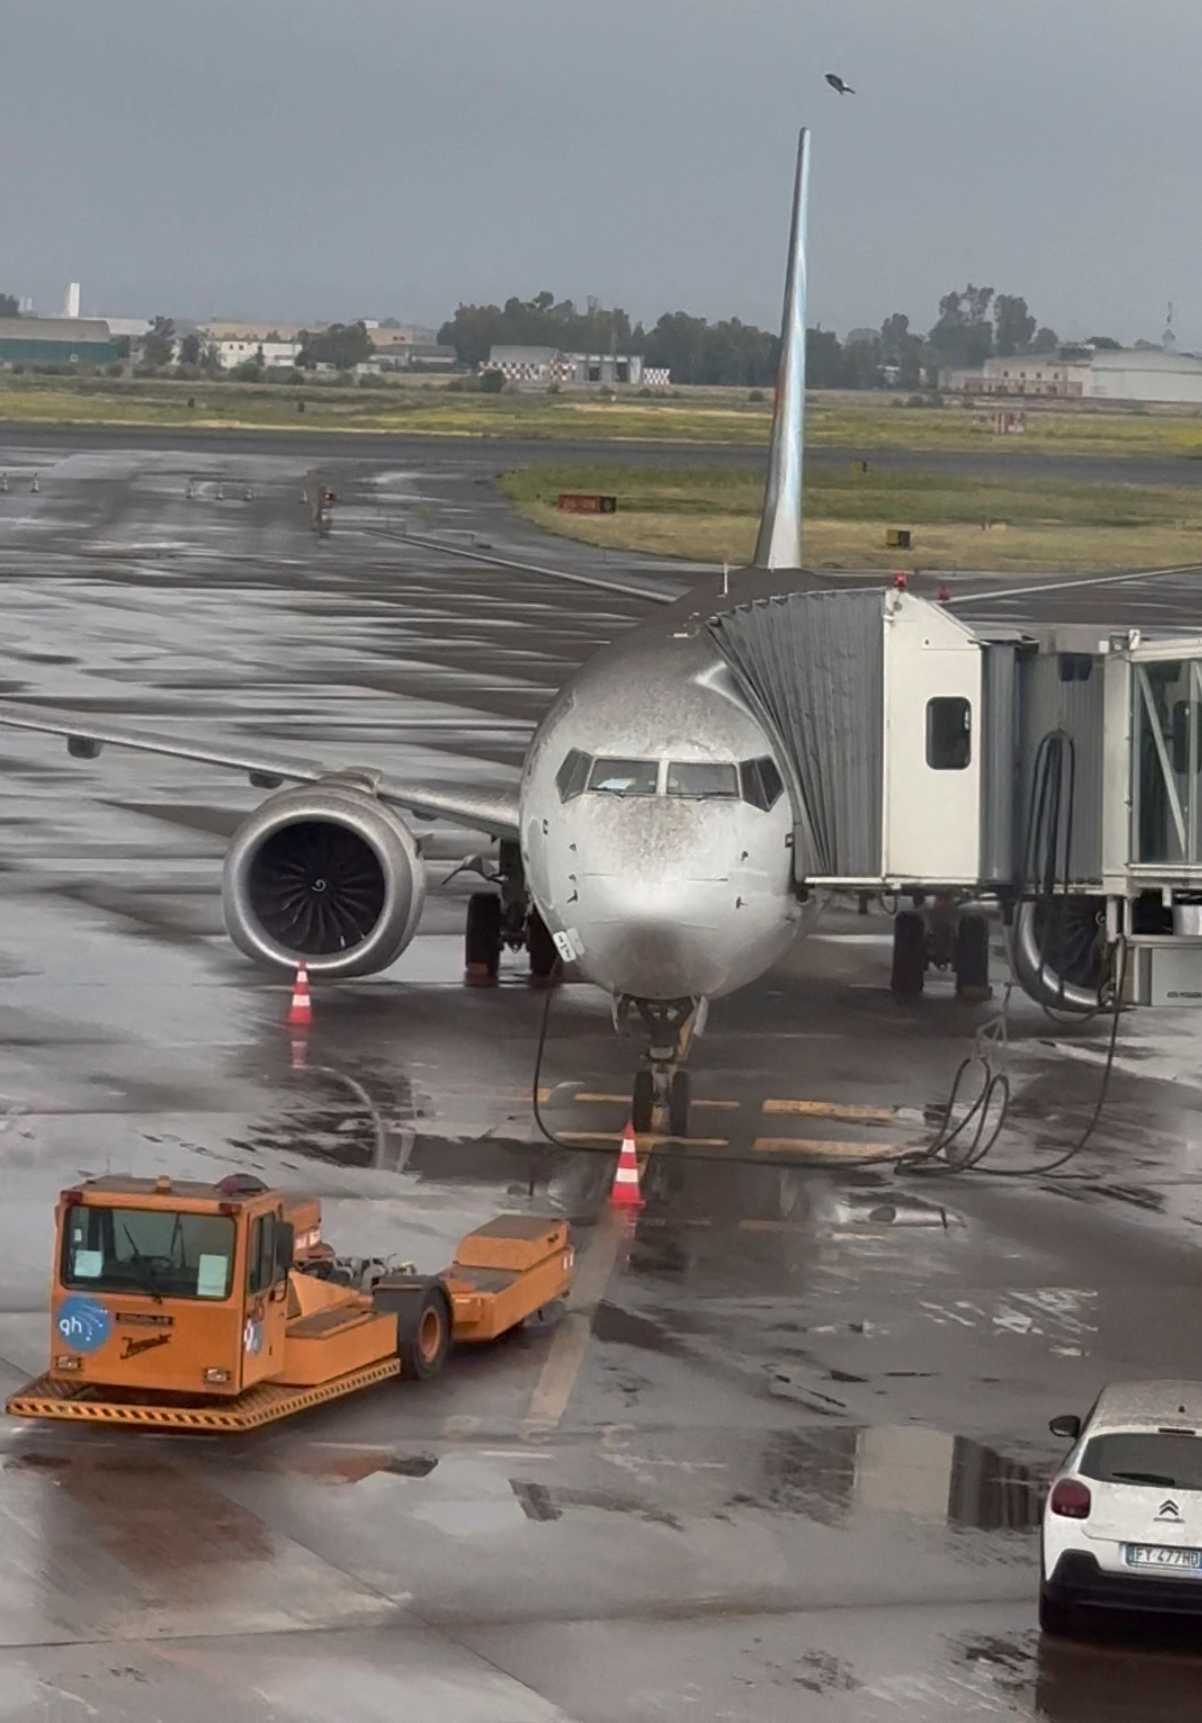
x=779 y=543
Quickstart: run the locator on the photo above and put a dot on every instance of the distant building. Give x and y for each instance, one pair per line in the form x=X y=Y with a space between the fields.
x=132 y=327
x=240 y=329
x=545 y=365
x=1085 y=373
x=387 y=341
x=56 y=341
x=234 y=350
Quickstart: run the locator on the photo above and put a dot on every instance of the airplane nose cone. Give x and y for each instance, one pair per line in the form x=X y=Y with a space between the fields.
x=666 y=943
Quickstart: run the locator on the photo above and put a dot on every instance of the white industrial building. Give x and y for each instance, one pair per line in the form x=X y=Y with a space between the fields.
x=237 y=343
x=1150 y=374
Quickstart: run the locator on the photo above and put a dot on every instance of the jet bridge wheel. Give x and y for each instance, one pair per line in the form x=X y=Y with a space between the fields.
x=909 y=954
x=972 y=958
x=482 y=940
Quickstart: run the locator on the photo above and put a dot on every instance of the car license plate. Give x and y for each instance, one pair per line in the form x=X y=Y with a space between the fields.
x=1155 y=1555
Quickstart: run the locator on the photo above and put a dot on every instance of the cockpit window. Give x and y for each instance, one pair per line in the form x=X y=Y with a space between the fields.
x=696 y=778
x=624 y=777
x=572 y=776
x=761 y=782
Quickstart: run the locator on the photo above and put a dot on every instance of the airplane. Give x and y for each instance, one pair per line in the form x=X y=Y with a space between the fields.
x=648 y=842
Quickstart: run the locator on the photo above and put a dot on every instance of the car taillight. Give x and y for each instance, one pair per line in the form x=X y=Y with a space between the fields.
x=1071 y=1499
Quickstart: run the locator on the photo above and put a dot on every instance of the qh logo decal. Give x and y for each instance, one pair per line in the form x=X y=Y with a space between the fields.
x=1169 y=1511
x=252 y=1337
x=84 y=1324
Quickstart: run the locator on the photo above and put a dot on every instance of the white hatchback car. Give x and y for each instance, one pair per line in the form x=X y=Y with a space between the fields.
x=1122 y=1526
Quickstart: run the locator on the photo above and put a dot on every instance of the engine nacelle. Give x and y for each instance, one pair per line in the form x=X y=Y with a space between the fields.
x=327 y=874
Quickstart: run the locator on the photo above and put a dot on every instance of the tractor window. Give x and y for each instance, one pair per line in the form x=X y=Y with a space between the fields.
x=260 y=1273
x=162 y=1252
x=697 y=778
x=616 y=777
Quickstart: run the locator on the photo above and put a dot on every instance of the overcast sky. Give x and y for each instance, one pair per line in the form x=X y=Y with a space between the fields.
x=285 y=158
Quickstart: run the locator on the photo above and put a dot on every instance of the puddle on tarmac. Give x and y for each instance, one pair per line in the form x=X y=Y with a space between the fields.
x=912 y=1470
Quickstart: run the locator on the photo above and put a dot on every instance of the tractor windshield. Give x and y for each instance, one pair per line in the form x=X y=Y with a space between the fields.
x=163 y=1252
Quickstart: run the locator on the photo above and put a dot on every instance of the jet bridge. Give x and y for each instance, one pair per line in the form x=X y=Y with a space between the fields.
x=1055 y=770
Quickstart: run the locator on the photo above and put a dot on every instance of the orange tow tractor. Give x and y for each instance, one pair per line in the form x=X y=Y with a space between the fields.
x=188 y=1306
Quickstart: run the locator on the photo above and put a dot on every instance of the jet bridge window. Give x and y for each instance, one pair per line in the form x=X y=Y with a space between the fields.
x=572 y=776
x=617 y=777
x=702 y=778
x=949 y=733
x=761 y=782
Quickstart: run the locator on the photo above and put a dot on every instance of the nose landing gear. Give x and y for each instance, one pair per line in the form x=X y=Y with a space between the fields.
x=661 y=1085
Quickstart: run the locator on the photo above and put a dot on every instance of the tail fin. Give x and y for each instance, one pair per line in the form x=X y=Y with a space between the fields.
x=779 y=543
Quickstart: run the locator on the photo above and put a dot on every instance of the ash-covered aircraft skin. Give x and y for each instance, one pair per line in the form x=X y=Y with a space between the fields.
x=648 y=843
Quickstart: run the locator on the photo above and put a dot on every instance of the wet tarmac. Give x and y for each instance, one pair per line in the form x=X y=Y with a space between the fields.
x=783 y=1456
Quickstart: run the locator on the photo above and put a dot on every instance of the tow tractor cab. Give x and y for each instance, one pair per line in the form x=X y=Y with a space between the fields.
x=190 y=1305
x=1122 y=1526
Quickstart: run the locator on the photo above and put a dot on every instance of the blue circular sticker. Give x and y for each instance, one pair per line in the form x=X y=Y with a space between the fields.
x=83 y=1324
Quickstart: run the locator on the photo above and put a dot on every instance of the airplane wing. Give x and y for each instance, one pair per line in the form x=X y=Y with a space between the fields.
x=485 y=809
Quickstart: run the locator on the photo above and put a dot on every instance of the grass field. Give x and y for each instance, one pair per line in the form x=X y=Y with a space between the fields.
x=720 y=417
x=1019 y=523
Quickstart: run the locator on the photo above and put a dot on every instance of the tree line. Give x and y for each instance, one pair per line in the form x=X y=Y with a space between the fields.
x=973 y=324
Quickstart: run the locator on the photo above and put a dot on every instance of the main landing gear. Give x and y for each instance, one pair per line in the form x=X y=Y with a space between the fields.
x=662 y=1083
x=508 y=918
x=945 y=937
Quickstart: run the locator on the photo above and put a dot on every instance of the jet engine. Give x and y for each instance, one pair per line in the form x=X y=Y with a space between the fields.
x=1060 y=950
x=328 y=874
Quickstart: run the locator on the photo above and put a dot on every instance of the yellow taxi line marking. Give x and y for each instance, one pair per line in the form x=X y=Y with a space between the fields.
x=834 y=1148
x=557 y=1378
x=588 y=1095
x=831 y=1110
x=651 y=1140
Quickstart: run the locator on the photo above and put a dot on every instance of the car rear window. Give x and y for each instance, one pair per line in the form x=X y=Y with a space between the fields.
x=1168 y=1460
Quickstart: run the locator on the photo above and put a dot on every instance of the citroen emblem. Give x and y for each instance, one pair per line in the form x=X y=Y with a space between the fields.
x=1169 y=1511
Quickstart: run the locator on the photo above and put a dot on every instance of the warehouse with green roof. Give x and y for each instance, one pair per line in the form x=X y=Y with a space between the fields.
x=56 y=341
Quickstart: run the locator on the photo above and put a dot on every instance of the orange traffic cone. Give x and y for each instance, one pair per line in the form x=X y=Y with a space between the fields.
x=300 y=1012
x=625 y=1192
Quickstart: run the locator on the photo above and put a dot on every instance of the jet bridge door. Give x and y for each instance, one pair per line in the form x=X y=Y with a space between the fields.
x=933 y=746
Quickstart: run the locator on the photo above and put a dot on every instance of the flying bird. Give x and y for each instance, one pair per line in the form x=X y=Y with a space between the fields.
x=836 y=83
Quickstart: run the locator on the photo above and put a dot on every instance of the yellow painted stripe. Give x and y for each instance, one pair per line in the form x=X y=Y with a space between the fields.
x=831 y=1110
x=831 y=1150
x=651 y=1140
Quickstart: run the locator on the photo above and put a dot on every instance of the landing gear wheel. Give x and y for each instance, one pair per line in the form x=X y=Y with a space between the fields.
x=642 y=1103
x=909 y=954
x=972 y=958
x=540 y=948
x=678 y=1105
x=482 y=940
x=423 y=1332
x=1055 y=1618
